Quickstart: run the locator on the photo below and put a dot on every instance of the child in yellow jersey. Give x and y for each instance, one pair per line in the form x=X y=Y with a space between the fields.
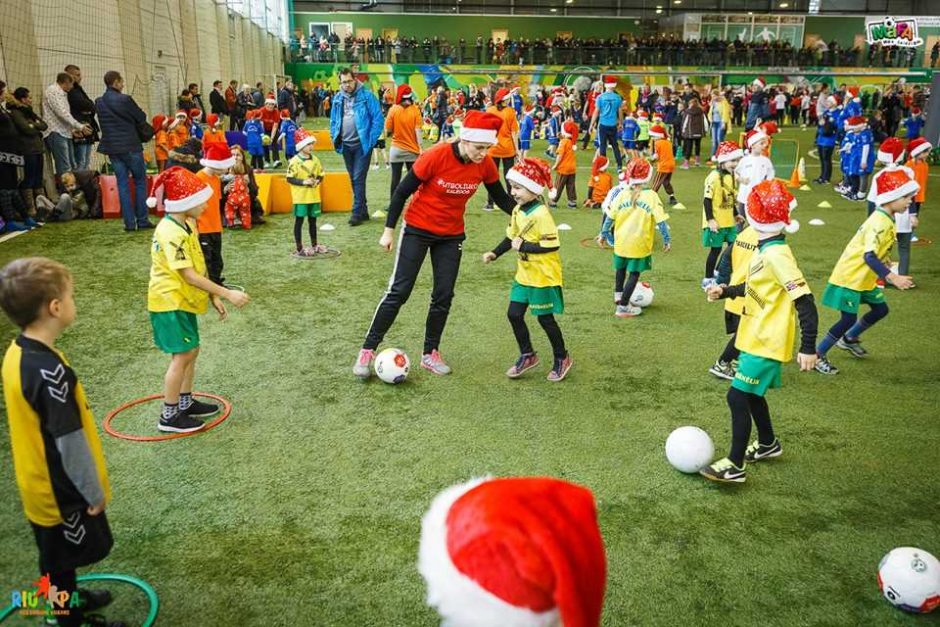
x=57 y=456
x=719 y=223
x=537 y=285
x=179 y=291
x=773 y=289
x=732 y=270
x=854 y=279
x=304 y=174
x=632 y=214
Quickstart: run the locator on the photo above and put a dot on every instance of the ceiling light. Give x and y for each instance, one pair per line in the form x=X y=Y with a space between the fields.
x=677 y=1
x=784 y=5
x=554 y=10
x=659 y=11
x=569 y=1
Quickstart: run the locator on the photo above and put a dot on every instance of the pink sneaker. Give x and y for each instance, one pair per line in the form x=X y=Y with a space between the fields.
x=560 y=369
x=525 y=362
x=320 y=249
x=433 y=362
x=363 y=366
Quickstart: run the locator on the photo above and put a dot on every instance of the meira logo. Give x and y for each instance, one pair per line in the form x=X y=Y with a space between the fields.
x=900 y=32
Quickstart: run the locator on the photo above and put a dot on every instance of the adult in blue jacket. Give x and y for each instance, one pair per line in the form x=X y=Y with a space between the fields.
x=118 y=116
x=355 y=125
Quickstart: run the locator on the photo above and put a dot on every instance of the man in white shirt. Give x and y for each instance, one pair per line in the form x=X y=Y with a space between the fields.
x=62 y=126
x=780 y=105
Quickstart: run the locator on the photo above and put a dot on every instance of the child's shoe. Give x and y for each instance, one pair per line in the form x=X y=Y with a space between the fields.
x=853 y=346
x=672 y=201
x=617 y=297
x=201 y=410
x=363 y=366
x=757 y=451
x=685 y=164
x=488 y=206
x=572 y=205
x=724 y=471
x=722 y=370
x=627 y=311
x=435 y=363
x=182 y=422
x=824 y=366
x=526 y=361
x=11 y=227
x=560 y=369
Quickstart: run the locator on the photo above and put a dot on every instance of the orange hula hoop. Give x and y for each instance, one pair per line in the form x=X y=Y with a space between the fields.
x=106 y=423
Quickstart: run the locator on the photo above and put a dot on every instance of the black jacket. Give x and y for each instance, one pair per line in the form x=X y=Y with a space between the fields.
x=82 y=109
x=11 y=145
x=30 y=127
x=119 y=116
x=217 y=103
x=197 y=101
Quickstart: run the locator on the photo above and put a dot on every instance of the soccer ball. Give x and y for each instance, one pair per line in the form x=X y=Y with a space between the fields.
x=266 y=140
x=689 y=449
x=910 y=579
x=391 y=365
x=642 y=295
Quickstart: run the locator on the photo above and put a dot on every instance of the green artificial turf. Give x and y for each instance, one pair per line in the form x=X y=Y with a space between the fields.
x=304 y=507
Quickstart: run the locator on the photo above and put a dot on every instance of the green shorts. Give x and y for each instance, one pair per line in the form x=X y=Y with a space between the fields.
x=541 y=300
x=849 y=300
x=717 y=239
x=307 y=210
x=175 y=331
x=633 y=264
x=756 y=375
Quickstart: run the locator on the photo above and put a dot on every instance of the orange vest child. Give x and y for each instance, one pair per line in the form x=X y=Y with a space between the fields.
x=213 y=134
x=178 y=130
x=161 y=148
x=601 y=182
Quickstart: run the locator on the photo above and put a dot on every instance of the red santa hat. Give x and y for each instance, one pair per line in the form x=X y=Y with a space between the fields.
x=759 y=82
x=832 y=101
x=893 y=184
x=404 y=92
x=657 y=117
x=285 y=114
x=502 y=94
x=769 y=205
x=728 y=151
x=302 y=138
x=770 y=128
x=915 y=111
x=532 y=174
x=523 y=552
x=642 y=114
x=753 y=136
x=556 y=109
x=856 y=122
x=270 y=99
x=158 y=121
x=182 y=190
x=182 y=114
x=853 y=90
x=599 y=165
x=638 y=172
x=195 y=114
x=212 y=119
x=610 y=81
x=890 y=151
x=917 y=146
x=570 y=129
x=658 y=131
x=480 y=127
x=528 y=109
x=217 y=156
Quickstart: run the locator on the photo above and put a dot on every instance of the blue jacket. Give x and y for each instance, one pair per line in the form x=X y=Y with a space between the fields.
x=826 y=131
x=867 y=149
x=913 y=125
x=851 y=154
x=526 y=128
x=630 y=129
x=253 y=130
x=287 y=130
x=554 y=130
x=119 y=116
x=195 y=130
x=369 y=120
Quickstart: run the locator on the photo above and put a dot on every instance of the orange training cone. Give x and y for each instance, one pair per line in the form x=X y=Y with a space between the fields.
x=794 y=177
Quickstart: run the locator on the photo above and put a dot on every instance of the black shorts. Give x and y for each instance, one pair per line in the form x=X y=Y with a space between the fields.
x=380 y=144
x=732 y=320
x=642 y=144
x=79 y=541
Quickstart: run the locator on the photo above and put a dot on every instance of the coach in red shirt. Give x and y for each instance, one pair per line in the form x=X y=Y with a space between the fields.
x=439 y=184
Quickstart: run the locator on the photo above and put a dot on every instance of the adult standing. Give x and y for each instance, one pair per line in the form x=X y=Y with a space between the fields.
x=403 y=127
x=120 y=116
x=507 y=138
x=244 y=102
x=11 y=155
x=719 y=116
x=439 y=185
x=217 y=101
x=607 y=118
x=758 y=107
x=286 y=99
x=355 y=125
x=231 y=105
x=692 y=129
x=257 y=95
x=30 y=127
x=82 y=109
x=197 y=101
x=61 y=125
x=440 y=111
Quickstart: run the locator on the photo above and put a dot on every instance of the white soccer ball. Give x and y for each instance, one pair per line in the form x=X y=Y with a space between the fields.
x=642 y=295
x=910 y=579
x=689 y=449
x=392 y=365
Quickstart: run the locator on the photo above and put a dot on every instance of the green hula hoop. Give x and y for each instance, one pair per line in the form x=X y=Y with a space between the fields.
x=134 y=581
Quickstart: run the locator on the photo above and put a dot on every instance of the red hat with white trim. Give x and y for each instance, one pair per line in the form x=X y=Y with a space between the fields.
x=891 y=151
x=610 y=81
x=556 y=109
x=270 y=99
x=217 y=156
x=570 y=129
x=893 y=184
x=404 y=92
x=769 y=205
x=182 y=114
x=728 y=151
x=856 y=121
x=753 y=136
x=302 y=138
x=658 y=131
x=158 y=121
x=638 y=172
x=915 y=111
x=480 y=127
x=600 y=164
x=285 y=114
x=642 y=114
x=657 y=117
x=759 y=82
x=532 y=174
x=917 y=146
x=212 y=119
x=194 y=114
x=770 y=128
x=502 y=94
x=522 y=552
x=182 y=190
x=529 y=108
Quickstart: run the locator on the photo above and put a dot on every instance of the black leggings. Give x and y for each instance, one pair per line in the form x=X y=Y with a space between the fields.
x=744 y=407
x=825 y=163
x=690 y=146
x=711 y=261
x=625 y=285
x=299 y=231
x=516 y=315
x=507 y=166
x=445 y=263
x=396 y=175
x=257 y=162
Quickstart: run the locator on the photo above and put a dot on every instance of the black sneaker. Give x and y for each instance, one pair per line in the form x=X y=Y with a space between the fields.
x=757 y=451
x=853 y=346
x=180 y=423
x=722 y=370
x=355 y=221
x=824 y=366
x=724 y=471
x=201 y=410
x=96 y=620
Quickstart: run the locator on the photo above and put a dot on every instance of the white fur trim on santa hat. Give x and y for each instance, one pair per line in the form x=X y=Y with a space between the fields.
x=773 y=227
x=478 y=135
x=887 y=158
x=642 y=181
x=730 y=156
x=306 y=141
x=225 y=164
x=459 y=600
x=656 y=134
x=919 y=149
x=911 y=187
x=268 y=101
x=184 y=204
x=756 y=137
x=518 y=177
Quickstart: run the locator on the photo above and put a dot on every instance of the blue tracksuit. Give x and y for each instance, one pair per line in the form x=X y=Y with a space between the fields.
x=253 y=131
x=195 y=130
x=629 y=133
x=851 y=154
x=554 y=130
x=287 y=130
x=913 y=124
x=517 y=104
x=526 y=128
x=866 y=151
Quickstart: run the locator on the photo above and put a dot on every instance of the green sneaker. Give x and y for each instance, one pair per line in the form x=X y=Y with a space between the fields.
x=724 y=471
x=757 y=451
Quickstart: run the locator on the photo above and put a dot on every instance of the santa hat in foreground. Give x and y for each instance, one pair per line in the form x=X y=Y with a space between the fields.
x=182 y=114
x=657 y=117
x=217 y=156
x=522 y=552
x=285 y=114
x=270 y=99
x=182 y=190
x=600 y=164
x=894 y=184
x=917 y=146
x=891 y=151
x=303 y=139
x=480 y=127
x=832 y=101
x=769 y=205
x=658 y=131
x=212 y=119
x=915 y=111
x=638 y=172
x=532 y=174
x=728 y=151
x=404 y=92
x=610 y=81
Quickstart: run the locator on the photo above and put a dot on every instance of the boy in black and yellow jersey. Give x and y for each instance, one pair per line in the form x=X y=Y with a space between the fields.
x=179 y=290
x=57 y=456
x=773 y=288
x=537 y=284
x=732 y=270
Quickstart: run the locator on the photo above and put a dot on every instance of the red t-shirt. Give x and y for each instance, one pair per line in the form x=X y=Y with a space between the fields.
x=447 y=184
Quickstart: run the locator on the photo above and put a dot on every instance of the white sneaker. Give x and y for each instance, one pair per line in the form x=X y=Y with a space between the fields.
x=627 y=311
x=617 y=297
x=363 y=366
x=914 y=238
x=435 y=363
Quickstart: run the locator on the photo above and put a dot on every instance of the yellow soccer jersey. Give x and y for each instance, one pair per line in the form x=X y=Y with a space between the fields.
x=877 y=235
x=635 y=224
x=537 y=227
x=741 y=252
x=722 y=188
x=768 y=322
x=175 y=246
x=301 y=168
